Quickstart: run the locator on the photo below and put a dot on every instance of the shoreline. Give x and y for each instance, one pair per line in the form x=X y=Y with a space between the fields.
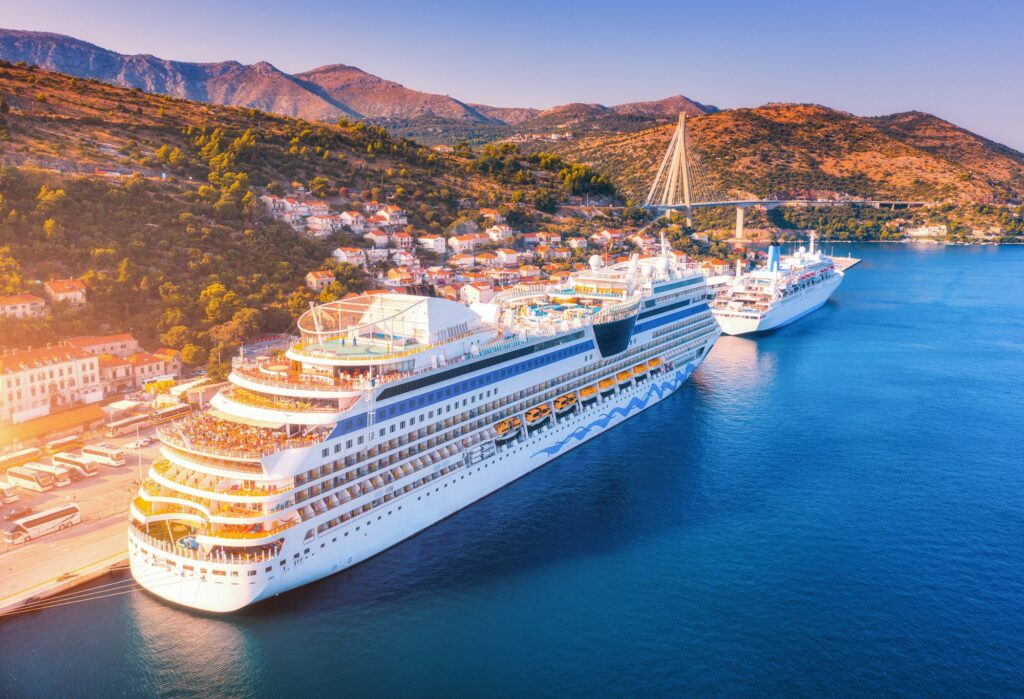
x=61 y=562
x=65 y=583
x=904 y=241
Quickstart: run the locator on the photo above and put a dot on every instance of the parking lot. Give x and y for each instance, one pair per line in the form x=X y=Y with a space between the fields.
x=105 y=495
x=31 y=569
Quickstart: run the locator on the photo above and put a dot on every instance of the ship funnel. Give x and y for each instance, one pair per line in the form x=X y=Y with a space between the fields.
x=773 y=257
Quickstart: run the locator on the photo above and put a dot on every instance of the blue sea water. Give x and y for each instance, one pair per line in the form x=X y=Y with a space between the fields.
x=836 y=508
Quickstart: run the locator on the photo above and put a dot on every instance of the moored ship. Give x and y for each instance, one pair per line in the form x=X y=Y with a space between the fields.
x=392 y=412
x=786 y=290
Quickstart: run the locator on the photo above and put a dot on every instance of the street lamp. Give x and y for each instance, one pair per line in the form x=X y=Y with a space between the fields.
x=138 y=450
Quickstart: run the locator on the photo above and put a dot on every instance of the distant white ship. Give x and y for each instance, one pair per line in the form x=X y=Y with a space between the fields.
x=769 y=298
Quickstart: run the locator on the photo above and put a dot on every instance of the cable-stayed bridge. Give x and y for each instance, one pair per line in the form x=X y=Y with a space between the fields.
x=683 y=184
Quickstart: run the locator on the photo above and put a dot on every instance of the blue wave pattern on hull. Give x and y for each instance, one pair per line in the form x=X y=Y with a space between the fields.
x=635 y=403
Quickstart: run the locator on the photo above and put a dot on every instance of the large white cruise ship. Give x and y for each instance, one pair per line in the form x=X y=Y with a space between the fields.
x=787 y=290
x=394 y=411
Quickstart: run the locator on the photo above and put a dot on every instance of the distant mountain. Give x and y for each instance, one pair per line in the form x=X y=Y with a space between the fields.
x=506 y=115
x=261 y=85
x=802 y=149
x=669 y=107
x=326 y=93
x=376 y=98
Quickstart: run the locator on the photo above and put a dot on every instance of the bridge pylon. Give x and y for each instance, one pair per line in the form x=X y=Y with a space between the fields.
x=671 y=187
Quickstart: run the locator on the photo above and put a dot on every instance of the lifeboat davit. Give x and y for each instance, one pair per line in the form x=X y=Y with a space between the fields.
x=640 y=371
x=624 y=377
x=607 y=386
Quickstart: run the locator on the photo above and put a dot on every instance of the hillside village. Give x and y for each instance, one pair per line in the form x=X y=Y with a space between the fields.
x=363 y=212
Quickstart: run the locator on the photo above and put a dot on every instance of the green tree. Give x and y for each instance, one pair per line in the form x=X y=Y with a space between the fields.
x=193 y=355
x=10 y=272
x=178 y=337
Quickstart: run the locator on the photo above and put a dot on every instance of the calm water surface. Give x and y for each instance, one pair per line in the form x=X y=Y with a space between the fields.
x=836 y=508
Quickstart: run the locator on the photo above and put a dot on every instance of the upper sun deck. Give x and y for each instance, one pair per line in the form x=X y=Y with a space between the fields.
x=375 y=329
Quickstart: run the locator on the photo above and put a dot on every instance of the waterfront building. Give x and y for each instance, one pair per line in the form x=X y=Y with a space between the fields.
x=119 y=344
x=35 y=380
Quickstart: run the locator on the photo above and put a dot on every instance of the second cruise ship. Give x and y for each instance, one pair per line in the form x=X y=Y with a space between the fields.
x=787 y=290
x=392 y=412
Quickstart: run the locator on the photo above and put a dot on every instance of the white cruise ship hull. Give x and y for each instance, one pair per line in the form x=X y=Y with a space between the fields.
x=406 y=515
x=781 y=313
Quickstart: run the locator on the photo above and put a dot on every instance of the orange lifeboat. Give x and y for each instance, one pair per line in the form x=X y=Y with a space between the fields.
x=588 y=394
x=607 y=386
x=624 y=376
x=536 y=415
x=565 y=404
x=508 y=429
x=509 y=425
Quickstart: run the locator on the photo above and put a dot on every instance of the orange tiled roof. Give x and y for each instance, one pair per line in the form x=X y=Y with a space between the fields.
x=140 y=358
x=110 y=361
x=64 y=286
x=20 y=360
x=83 y=341
x=19 y=299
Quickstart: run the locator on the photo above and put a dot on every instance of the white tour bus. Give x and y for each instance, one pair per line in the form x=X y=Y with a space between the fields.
x=29 y=479
x=19 y=457
x=9 y=493
x=82 y=465
x=21 y=530
x=111 y=456
x=61 y=477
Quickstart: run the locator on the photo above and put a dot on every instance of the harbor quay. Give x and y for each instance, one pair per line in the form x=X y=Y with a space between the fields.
x=43 y=567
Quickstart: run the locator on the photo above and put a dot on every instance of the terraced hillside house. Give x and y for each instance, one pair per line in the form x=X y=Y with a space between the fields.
x=70 y=291
x=22 y=306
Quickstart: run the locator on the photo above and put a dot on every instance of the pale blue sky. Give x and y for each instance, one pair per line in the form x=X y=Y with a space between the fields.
x=963 y=61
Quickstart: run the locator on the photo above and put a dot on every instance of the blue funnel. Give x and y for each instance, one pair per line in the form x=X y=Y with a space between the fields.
x=773 y=258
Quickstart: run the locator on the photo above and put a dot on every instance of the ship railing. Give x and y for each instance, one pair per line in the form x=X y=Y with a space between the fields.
x=165 y=468
x=520 y=292
x=195 y=461
x=211 y=508
x=618 y=311
x=257 y=372
x=306 y=349
x=262 y=554
x=205 y=435
x=284 y=403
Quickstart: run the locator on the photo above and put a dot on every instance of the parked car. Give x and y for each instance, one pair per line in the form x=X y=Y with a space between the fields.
x=17 y=512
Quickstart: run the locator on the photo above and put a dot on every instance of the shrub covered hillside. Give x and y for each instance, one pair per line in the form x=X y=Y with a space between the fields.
x=800 y=150
x=176 y=248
